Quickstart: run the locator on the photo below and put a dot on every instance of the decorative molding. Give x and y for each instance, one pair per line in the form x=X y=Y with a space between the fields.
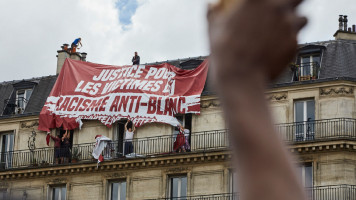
x=116 y=175
x=30 y=124
x=177 y=170
x=337 y=91
x=57 y=181
x=277 y=96
x=210 y=103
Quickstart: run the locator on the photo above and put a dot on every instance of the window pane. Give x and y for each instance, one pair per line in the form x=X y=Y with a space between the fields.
x=28 y=94
x=310 y=110
x=183 y=192
x=123 y=191
x=316 y=59
x=299 y=111
x=308 y=176
x=63 y=194
x=114 y=191
x=55 y=194
x=174 y=187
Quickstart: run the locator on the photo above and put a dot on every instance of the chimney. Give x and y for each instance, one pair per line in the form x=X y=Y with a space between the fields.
x=341 y=23
x=344 y=32
x=84 y=56
x=65 y=53
x=345 y=22
x=61 y=57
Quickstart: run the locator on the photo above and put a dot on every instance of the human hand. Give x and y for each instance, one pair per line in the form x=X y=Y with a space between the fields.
x=254 y=36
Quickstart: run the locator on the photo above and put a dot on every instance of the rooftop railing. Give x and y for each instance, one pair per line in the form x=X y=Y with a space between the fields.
x=317 y=130
x=116 y=150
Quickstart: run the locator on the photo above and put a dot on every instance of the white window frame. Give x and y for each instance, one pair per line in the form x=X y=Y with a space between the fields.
x=305 y=116
x=52 y=187
x=25 y=100
x=119 y=189
x=170 y=192
x=311 y=56
x=8 y=156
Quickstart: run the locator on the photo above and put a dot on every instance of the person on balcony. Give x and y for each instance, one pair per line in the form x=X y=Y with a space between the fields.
x=129 y=133
x=57 y=148
x=65 y=152
x=181 y=143
x=136 y=59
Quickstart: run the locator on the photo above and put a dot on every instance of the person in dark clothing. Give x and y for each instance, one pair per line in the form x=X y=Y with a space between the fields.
x=57 y=147
x=136 y=59
x=75 y=44
x=65 y=152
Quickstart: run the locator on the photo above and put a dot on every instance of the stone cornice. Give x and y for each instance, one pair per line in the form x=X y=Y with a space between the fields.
x=112 y=166
x=323 y=146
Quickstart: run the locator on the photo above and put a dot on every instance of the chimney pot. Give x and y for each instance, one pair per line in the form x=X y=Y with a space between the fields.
x=65 y=47
x=340 y=22
x=84 y=56
x=345 y=22
x=354 y=28
x=349 y=29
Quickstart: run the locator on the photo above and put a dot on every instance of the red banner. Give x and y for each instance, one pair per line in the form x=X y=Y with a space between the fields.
x=141 y=93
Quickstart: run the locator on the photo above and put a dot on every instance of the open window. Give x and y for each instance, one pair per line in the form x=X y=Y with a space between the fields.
x=22 y=98
x=307 y=65
x=186 y=121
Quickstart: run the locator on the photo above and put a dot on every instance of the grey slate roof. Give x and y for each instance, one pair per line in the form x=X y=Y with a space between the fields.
x=338 y=60
x=39 y=95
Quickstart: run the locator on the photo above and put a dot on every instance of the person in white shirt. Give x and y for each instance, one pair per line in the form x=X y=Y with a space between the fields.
x=129 y=133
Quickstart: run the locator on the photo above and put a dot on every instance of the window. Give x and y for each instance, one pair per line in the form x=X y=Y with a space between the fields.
x=304 y=116
x=186 y=122
x=3 y=194
x=308 y=67
x=58 y=192
x=306 y=173
x=118 y=190
x=178 y=187
x=233 y=182
x=6 y=148
x=22 y=98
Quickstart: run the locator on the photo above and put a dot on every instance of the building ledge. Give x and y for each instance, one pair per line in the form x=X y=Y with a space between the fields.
x=107 y=166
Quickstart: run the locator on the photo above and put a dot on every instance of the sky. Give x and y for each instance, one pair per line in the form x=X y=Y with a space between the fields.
x=112 y=30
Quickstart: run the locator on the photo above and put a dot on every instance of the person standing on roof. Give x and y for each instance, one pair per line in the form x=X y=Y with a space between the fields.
x=136 y=59
x=75 y=44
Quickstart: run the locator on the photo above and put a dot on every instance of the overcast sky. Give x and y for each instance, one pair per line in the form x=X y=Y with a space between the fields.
x=111 y=30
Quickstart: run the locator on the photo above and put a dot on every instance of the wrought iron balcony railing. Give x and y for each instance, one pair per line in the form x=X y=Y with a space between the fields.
x=330 y=192
x=14 y=106
x=306 y=71
x=143 y=147
x=317 y=130
x=227 y=196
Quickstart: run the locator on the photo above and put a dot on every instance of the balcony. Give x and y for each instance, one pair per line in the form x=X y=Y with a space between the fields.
x=330 y=192
x=144 y=147
x=318 y=130
x=14 y=106
x=227 y=196
x=306 y=71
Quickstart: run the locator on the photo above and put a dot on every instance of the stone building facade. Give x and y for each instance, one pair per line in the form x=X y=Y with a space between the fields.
x=313 y=104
